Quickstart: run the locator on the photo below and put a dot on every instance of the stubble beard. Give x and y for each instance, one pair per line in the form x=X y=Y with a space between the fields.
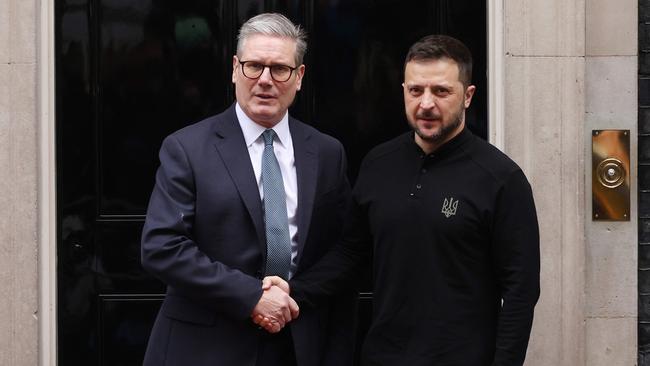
x=443 y=132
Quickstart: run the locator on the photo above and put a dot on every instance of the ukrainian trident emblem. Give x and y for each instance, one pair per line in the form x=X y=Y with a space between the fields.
x=449 y=207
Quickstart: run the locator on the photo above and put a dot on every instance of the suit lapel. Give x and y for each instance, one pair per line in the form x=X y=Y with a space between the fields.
x=231 y=147
x=306 y=155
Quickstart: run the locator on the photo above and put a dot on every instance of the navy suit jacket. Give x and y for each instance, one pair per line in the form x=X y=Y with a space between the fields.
x=204 y=238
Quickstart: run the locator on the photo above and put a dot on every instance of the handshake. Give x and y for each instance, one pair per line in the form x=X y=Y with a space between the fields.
x=275 y=308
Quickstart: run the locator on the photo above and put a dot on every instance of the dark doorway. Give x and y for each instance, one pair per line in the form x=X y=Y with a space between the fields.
x=644 y=185
x=129 y=72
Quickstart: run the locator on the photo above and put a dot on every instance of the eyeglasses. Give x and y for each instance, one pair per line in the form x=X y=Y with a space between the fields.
x=254 y=69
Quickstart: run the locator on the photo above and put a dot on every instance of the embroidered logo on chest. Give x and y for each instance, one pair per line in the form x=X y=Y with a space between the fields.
x=449 y=207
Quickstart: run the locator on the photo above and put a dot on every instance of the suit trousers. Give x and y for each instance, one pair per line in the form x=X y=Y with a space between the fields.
x=276 y=349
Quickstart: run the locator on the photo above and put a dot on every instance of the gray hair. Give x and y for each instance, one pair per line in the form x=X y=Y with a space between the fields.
x=274 y=24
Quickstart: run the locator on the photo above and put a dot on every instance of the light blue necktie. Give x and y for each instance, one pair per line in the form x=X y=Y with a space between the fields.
x=278 y=244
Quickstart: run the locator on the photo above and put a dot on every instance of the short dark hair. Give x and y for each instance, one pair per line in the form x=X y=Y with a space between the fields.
x=436 y=47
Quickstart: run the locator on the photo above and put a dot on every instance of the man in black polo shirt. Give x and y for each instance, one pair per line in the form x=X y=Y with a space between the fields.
x=450 y=224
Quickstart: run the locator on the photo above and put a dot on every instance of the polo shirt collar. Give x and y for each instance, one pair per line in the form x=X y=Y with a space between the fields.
x=458 y=140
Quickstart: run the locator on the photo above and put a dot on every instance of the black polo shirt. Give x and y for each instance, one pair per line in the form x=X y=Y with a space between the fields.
x=452 y=234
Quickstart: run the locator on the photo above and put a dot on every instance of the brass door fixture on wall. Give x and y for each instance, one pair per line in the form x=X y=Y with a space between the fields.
x=610 y=176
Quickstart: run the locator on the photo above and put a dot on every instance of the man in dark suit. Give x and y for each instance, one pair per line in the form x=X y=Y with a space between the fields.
x=245 y=194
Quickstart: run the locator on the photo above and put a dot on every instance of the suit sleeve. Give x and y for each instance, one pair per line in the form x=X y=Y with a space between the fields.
x=343 y=265
x=516 y=258
x=341 y=328
x=170 y=253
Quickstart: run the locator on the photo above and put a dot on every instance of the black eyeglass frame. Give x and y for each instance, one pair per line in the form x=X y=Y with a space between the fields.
x=264 y=66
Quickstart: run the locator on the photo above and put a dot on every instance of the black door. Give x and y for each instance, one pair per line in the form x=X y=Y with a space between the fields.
x=129 y=72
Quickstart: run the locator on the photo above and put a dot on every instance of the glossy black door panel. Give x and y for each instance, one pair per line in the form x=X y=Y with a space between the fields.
x=125 y=322
x=357 y=64
x=130 y=72
x=117 y=257
x=160 y=67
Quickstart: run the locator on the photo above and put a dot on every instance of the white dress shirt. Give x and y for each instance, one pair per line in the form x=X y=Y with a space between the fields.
x=283 y=148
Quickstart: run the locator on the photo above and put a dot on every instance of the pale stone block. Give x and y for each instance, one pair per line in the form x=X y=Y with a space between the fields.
x=612 y=253
x=25 y=262
x=18 y=205
x=611 y=269
x=606 y=347
x=611 y=92
x=544 y=108
x=612 y=27
x=6 y=231
x=24 y=31
x=5 y=95
x=18 y=31
x=5 y=31
x=545 y=28
x=5 y=143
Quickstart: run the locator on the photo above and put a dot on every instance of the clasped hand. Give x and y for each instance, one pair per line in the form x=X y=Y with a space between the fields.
x=275 y=308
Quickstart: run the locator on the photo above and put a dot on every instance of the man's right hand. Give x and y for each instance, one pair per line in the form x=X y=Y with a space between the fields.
x=275 y=309
x=275 y=281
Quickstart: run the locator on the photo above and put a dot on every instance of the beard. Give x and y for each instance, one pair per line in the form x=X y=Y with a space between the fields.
x=445 y=131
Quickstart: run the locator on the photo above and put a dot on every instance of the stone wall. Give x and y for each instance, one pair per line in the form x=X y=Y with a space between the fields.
x=544 y=127
x=571 y=68
x=18 y=183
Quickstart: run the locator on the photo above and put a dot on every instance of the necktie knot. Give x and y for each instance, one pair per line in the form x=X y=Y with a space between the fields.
x=268 y=137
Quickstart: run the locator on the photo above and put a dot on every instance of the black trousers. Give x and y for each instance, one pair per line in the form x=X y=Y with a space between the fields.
x=276 y=349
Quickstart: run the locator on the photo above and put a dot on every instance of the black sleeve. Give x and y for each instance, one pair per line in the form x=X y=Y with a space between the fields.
x=515 y=244
x=341 y=329
x=340 y=269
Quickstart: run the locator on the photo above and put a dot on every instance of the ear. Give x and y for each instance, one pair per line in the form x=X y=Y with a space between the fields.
x=300 y=72
x=469 y=93
x=235 y=64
